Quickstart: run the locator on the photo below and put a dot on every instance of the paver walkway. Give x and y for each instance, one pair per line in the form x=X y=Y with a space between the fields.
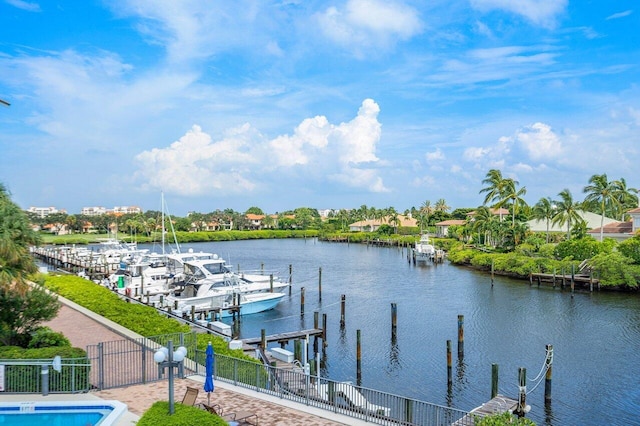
x=82 y=331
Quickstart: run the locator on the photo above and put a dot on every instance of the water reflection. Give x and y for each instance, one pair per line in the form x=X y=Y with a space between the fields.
x=594 y=336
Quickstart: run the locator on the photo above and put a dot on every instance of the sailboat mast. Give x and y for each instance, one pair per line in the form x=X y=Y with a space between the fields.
x=162 y=208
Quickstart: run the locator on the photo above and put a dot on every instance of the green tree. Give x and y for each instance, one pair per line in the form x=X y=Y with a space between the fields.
x=254 y=210
x=544 y=209
x=425 y=211
x=22 y=307
x=392 y=218
x=627 y=198
x=16 y=236
x=22 y=313
x=512 y=196
x=567 y=211
x=601 y=193
x=494 y=189
x=441 y=206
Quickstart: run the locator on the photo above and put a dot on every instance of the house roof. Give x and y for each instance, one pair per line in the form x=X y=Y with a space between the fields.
x=405 y=221
x=451 y=222
x=614 y=228
x=592 y=220
x=252 y=216
x=636 y=210
x=497 y=212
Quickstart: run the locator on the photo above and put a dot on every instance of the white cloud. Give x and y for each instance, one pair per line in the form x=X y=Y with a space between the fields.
x=25 y=5
x=540 y=141
x=367 y=24
x=192 y=29
x=540 y=12
x=435 y=156
x=619 y=15
x=475 y=154
x=194 y=165
x=242 y=160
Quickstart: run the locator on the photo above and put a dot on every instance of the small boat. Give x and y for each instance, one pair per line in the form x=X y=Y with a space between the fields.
x=204 y=275
x=424 y=251
x=227 y=303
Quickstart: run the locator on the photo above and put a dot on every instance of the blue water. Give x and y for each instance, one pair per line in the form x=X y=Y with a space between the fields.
x=595 y=336
x=50 y=419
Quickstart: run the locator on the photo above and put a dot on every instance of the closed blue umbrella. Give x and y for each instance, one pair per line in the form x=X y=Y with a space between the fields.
x=208 y=380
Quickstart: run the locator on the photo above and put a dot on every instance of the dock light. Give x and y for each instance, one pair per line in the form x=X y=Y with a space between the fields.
x=167 y=357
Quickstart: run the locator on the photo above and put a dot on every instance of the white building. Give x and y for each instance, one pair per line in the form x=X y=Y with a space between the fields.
x=93 y=211
x=44 y=211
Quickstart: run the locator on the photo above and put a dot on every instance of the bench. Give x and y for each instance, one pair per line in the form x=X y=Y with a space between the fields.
x=282 y=355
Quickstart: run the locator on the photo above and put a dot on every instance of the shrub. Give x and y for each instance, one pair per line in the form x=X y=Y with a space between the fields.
x=183 y=415
x=503 y=419
x=614 y=269
x=631 y=248
x=44 y=337
x=547 y=250
x=581 y=249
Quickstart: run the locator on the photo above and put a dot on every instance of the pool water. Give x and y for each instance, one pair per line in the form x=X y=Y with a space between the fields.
x=61 y=413
x=52 y=419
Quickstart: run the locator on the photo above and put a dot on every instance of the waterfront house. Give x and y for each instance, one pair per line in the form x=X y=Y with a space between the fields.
x=372 y=225
x=617 y=230
x=442 y=228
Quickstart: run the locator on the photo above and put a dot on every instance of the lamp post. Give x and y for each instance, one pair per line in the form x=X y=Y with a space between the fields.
x=166 y=357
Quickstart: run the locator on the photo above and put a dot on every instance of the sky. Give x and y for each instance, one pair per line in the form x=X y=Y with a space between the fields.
x=322 y=104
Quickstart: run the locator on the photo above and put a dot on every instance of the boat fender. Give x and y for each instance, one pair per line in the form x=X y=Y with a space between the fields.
x=127 y=291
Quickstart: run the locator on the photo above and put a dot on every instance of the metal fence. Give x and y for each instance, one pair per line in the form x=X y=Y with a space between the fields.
x=40 y=376
x=130 y=362
x=340 y=397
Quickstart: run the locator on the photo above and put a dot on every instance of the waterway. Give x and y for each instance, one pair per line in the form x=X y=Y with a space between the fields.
x=595 y=336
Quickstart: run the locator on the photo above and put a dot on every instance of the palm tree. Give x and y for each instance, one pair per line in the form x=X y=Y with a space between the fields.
x=495 y=186
x=484 y=223
x=392 y=218
x=441 y=206
x=544 y=209
x=16 y=236
x=567 y=211
x=627 y=197
x=426 y=210
x=602 y=193
x=513 y=196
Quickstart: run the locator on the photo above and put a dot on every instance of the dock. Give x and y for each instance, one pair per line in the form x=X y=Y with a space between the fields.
x=563 y=280
x=283 y=338
x=497 y=405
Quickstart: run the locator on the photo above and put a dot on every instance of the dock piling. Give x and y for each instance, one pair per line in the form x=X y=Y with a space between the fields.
x=547 y=378
x=494 y=380
x=320 y=284
x=394 y=319
x=460 y=336
x=449 y=365
x=358 y=359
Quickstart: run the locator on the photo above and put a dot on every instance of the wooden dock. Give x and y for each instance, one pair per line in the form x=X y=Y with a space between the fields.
x=564 y=280
x=283 y=338
x=497 y=405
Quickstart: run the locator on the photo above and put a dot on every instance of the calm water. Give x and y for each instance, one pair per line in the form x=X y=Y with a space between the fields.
x=596 y=373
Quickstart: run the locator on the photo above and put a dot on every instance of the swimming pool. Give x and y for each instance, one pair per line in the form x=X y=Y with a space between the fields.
x=61 y=413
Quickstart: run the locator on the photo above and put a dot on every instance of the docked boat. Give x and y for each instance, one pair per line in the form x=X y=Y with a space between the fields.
x=202 y=275
x=424 y=251
x=147 y=274
x=223 y=296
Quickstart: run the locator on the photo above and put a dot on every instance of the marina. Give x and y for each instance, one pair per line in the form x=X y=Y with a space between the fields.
x=509 y=324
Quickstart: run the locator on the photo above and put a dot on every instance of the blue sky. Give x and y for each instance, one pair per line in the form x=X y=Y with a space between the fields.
x=323 y=104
